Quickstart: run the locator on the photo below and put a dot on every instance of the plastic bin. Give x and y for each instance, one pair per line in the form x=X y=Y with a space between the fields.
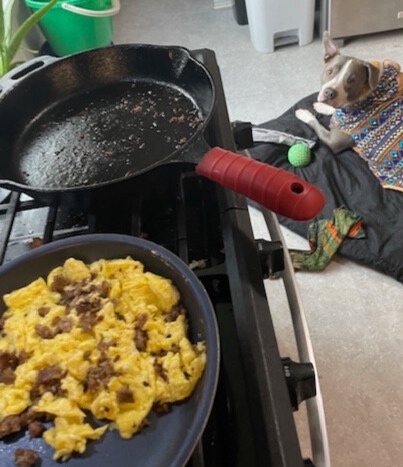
x=278 y=22
x=73 y=26
x=239 y=8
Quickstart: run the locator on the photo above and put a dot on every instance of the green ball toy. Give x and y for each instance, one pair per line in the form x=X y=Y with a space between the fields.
x=299 y=155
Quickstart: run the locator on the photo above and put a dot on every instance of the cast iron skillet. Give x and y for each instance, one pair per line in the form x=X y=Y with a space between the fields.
x=170 y=439
x=82 y=129
x=99 y=118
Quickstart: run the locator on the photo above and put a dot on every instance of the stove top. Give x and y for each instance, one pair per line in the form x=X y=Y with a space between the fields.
x=209 y=228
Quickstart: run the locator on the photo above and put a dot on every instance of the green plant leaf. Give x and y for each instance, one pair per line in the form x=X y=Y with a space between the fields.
x=2 y=28
x=3 y=65
x=7 y=21
x=23 y=30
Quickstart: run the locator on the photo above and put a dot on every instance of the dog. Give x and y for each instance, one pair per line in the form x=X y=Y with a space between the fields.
x=365 y=100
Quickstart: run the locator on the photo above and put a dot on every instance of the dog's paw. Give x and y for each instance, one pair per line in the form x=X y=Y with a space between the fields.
x=304 y=115
x=324 y=109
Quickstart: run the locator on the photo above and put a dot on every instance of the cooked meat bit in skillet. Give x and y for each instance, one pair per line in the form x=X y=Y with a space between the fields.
x=7 y=376
x=88 y=304
x=175 y=348
x=64 y=324
x=160 y=370
x=44 y=331
x=8 y=360
x=103 y=346
x=140 y=334
x=8 y=363
x=141 y=320
x=26 y=457
x=104 y=288
x=43 y=311
x=174 y=313
x=125 y=394
x=85 y=296
x=23 y=356
x=145 y=423
x=98 y=376
x=11 y=424
x=35 y=429
x=15 y=423
x=48 y=379
x=140 y=339
x=161 y=409
x=88 y=321
x=59 y=283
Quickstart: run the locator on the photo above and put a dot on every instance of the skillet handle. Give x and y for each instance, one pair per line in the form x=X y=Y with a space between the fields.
x=8 y=80
x=276 y=189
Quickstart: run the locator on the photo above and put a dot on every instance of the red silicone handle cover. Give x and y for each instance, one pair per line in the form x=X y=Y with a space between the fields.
x=280 y=191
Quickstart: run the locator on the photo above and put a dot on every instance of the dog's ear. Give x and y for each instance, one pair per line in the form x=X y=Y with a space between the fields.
x=331 y=48
x=374 y=75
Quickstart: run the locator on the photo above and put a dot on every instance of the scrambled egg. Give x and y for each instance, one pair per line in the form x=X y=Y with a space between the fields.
x=115 y=338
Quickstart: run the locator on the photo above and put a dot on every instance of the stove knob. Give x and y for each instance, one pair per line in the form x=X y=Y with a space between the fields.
x=271 y=256
x=300 y=379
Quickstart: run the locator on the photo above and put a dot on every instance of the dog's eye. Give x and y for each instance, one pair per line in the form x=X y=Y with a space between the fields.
x=329 y=71
x=351 y=79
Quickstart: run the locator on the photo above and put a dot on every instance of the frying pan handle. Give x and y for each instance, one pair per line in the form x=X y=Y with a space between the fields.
x=280 y=191
x=19 y=72
x=94 y=13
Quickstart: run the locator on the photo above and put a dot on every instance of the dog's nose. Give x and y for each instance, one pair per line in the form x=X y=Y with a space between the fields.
x=330 y=94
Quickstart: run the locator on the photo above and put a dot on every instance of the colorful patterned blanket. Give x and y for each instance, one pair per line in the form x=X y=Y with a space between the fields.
x=346 y=181
x=376 y=125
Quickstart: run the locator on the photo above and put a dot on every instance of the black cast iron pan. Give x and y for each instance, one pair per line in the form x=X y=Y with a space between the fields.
x=90 y=124
x=100 y=118
x=170 y=439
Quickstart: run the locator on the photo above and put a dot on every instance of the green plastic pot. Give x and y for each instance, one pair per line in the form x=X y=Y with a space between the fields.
x=73 y=26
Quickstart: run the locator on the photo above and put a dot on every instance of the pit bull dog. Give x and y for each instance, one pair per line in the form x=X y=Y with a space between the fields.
x=365 y=100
